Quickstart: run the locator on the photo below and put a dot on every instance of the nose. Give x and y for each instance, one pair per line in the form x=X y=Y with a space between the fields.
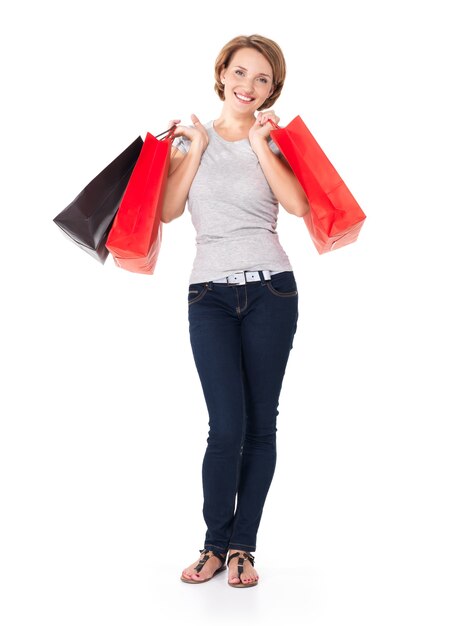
x=247 y=87
x=247 y=83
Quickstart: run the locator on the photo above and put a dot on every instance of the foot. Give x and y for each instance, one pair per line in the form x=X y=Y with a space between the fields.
x=249 y=573
x=213 y=563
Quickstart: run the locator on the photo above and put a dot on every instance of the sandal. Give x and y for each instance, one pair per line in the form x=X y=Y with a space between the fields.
x=247 y=556
x=204 y=558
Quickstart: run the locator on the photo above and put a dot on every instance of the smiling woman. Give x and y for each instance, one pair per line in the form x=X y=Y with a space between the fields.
x=272 y=74
x=242 y=295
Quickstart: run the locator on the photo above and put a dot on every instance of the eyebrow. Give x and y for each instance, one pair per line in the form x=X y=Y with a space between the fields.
x=261 y=73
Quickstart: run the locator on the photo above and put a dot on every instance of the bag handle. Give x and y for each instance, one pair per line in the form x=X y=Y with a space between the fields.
x=170 y=136
x=274 y=123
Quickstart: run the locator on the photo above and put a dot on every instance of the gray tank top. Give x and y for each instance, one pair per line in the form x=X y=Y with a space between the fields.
x=233 y=210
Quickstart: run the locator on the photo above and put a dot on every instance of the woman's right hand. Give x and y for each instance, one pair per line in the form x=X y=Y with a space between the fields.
x=197 y=134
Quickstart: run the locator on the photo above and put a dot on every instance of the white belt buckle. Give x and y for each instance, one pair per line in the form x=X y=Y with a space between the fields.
x=238 y=278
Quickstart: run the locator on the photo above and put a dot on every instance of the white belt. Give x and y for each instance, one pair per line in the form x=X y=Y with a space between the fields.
x=240 y=278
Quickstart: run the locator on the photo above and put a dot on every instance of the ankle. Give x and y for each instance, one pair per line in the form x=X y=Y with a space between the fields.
x=232 y=550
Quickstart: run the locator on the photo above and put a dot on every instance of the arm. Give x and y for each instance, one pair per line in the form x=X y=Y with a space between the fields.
x=179 y=181
x=282 y=181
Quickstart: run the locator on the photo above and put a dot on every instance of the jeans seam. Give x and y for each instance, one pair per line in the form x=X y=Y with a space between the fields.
x=288 y=294
x=246 y=299
x=212 y=545
x=200 y=296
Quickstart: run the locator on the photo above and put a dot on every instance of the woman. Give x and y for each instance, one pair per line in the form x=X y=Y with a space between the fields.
x=242 y=297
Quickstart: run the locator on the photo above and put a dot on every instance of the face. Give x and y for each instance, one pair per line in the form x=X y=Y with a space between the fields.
x=249 y=74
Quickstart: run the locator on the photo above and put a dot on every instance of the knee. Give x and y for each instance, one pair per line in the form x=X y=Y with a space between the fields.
x=261 y=440
x=225 y=441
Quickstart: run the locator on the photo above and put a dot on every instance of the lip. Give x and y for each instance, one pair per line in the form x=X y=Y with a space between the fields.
x=245 y=95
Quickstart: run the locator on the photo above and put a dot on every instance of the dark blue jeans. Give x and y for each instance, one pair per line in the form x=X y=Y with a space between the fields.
x=241 y=337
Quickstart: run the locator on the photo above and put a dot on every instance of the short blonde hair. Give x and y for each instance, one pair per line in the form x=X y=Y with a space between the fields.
x=268 y=48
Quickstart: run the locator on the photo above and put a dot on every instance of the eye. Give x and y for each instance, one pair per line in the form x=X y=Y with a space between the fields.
x=265 y=80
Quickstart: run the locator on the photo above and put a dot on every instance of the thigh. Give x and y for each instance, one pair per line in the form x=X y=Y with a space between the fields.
x=267 y=339
x=215 y=336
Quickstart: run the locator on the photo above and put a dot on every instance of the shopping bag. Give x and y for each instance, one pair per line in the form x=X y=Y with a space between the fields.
x=335 y=218
x=135 y=236
x=87 y=220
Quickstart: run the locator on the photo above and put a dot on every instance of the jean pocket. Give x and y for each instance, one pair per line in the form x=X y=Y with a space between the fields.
x=196 y=292
x=283 y=285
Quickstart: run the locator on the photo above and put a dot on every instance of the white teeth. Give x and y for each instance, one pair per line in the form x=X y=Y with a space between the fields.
x=243 y=98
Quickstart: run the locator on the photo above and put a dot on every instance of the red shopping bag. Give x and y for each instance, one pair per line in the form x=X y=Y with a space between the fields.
x=335 y=218
x=135 y=236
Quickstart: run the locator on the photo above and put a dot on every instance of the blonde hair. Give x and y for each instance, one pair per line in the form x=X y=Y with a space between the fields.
x=268 y=48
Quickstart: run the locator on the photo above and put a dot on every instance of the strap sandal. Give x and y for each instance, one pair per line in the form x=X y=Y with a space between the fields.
x=242 y=557
x=205 y=556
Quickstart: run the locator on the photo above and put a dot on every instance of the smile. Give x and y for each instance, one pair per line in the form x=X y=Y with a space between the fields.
x=243 y=99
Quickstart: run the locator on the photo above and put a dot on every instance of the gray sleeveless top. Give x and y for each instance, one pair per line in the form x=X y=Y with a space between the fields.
x=233 y=210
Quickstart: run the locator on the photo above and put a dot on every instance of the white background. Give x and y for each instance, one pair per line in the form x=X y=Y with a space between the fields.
x=104 y=424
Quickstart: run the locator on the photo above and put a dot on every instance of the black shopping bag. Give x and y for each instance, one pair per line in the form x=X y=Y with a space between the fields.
x=87 y=220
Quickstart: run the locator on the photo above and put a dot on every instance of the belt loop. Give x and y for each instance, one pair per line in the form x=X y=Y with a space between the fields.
x=261 y=277
x=209 y=285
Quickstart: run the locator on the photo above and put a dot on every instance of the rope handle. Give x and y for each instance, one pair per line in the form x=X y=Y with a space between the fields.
x=274 y=123
x=170 y=135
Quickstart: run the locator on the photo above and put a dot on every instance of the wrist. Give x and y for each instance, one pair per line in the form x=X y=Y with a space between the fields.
x=260 y=145
x=197 y=143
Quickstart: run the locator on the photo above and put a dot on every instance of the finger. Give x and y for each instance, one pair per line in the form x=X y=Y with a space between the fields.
x=264 y=117
x=274 y=118
x=195 y=118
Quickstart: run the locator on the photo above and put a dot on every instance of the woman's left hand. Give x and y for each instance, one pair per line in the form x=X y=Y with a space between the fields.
x=261 y=129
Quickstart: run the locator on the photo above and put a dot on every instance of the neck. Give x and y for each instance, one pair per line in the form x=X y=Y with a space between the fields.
x=235 y=121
